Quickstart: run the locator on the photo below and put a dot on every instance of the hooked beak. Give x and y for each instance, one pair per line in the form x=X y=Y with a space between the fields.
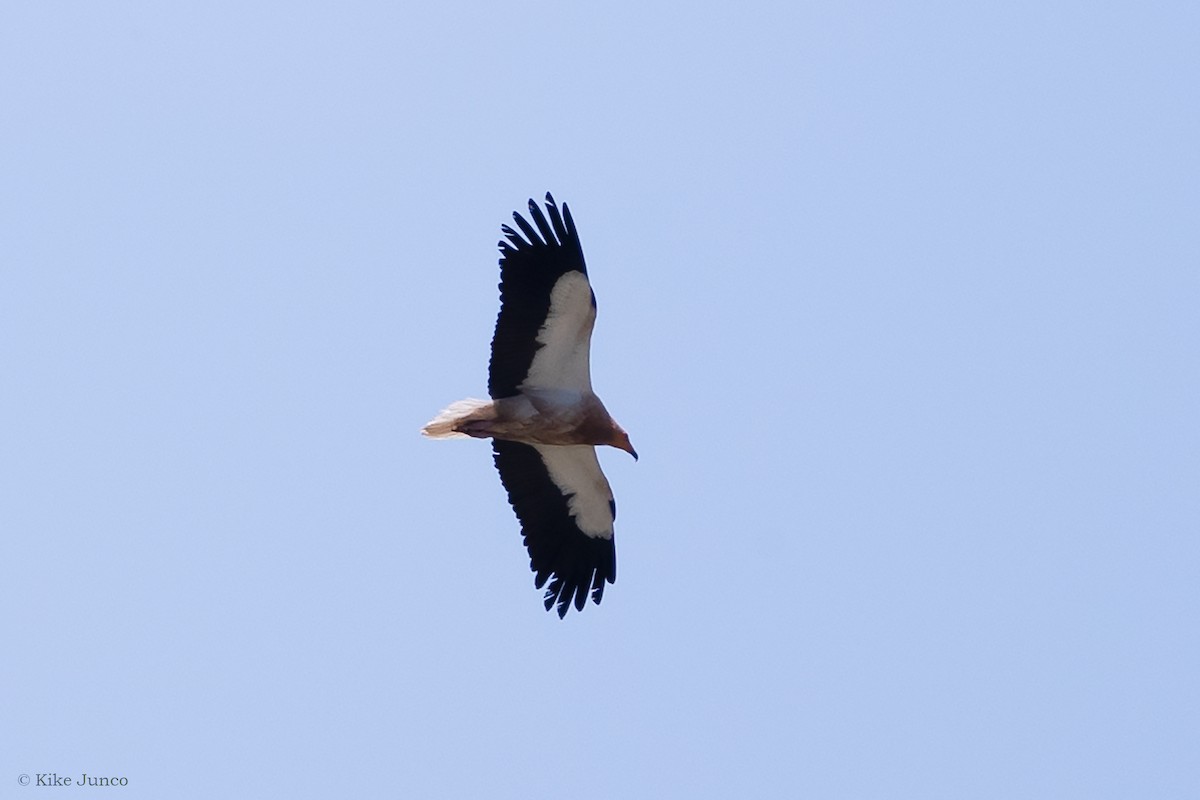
x=621 y=442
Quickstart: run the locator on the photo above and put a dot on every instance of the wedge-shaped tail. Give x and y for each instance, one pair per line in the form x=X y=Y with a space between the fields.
x=446 y=423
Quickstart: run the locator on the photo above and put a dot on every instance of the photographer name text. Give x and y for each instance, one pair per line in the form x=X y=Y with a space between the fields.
x=54 y=779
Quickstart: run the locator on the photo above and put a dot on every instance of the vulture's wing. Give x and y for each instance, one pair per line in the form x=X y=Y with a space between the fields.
x=566 y=510
x=547 y=307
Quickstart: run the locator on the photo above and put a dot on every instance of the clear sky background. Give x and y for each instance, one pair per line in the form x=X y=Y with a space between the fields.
x=900 y=303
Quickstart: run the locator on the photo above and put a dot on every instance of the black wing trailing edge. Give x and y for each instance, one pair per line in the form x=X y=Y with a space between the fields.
x=529 y=268
x=559 y=552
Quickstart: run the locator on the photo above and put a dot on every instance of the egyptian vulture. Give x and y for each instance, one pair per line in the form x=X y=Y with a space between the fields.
x=544 y=420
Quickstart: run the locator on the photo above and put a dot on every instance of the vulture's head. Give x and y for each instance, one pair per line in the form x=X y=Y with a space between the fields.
x=620 y=440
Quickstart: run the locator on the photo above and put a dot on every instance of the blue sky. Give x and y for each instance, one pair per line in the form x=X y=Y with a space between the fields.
x=898 y=302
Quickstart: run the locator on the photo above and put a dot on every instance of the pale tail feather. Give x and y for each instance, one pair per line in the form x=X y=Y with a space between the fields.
x=442 y=426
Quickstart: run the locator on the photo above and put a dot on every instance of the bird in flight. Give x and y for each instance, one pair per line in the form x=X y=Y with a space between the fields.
x=543 y=418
